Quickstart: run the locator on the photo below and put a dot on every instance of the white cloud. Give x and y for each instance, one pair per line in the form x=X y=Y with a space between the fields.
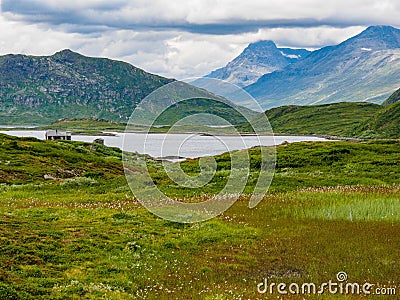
x=122 y=13
x=16 y=37
x=182 y=38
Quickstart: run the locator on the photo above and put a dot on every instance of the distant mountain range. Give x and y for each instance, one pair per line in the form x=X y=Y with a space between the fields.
x=43 y=89
x=365 y=67
x=256 y=60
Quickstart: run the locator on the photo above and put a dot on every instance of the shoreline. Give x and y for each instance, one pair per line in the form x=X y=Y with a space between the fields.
x=115 y=132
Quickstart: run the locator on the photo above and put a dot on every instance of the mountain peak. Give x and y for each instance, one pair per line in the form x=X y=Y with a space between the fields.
x=380 y=29
x=257 y=59
x=381 y=37
x=262 y=44
x=67 y=53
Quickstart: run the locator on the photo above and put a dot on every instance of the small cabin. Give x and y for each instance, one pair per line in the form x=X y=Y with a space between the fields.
x=52 y=135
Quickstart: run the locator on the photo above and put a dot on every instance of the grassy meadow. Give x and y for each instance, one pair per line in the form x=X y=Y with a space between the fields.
x=80 y=233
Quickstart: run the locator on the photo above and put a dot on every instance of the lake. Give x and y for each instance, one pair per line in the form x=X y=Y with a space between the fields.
x=176 y=145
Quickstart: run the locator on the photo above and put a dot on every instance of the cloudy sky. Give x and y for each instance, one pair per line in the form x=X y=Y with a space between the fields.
x=182 y=38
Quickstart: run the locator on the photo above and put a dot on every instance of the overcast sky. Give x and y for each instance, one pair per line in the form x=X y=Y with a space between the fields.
x=182 y=38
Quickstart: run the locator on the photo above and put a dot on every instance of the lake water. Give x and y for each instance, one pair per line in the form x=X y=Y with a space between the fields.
x=176 y=145
x=18 y=126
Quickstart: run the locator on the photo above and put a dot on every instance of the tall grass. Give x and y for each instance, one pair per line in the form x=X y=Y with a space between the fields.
x=379 y=204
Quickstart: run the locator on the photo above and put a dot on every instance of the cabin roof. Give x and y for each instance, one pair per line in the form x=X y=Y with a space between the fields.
x=57 y=133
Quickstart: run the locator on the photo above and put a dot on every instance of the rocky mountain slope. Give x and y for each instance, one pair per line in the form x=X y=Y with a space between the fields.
x=256 y=60
x=362 y=68
x=67 y=84
x=41 y=90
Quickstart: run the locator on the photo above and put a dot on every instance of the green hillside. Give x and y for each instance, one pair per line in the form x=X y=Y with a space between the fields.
x=85 y=125
x=24 y=160
x=395 y=97
x=42 y=89
x=201 y=109
x=337 y=119
x=384 y=124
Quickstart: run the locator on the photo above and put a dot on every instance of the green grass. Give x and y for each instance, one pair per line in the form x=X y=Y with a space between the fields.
x=85 y=125
x=333 y=207
x=62 y=249
x=303 y=165
x=378 y=203
x=385 y=124
x=25 y=160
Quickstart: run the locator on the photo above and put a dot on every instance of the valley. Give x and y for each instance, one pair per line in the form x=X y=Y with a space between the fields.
x=72 y=226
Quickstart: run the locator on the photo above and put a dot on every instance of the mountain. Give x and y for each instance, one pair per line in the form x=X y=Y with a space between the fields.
x=256 y=60
x=395 y=97
x=362 y=68
x=43 y=89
